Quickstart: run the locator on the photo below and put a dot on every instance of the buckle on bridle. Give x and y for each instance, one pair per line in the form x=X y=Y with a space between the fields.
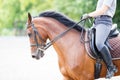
x=41 y=49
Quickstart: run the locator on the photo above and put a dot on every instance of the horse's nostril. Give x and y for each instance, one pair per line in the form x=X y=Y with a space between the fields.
x=33 y=56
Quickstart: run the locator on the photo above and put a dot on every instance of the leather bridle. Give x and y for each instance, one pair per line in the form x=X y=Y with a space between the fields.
x=42 y=46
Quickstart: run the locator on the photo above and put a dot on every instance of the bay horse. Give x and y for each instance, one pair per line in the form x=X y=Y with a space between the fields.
x=74 y=61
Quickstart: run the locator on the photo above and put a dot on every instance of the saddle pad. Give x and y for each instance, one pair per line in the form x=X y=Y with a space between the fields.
x=114 y=43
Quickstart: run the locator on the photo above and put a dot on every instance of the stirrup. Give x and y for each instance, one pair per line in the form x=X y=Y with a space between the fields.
x=110 y=73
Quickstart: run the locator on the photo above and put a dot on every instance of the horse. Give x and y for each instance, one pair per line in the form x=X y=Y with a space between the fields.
x=74 y=61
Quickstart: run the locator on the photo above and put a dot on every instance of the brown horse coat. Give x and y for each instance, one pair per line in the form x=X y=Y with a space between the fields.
x=74 y=62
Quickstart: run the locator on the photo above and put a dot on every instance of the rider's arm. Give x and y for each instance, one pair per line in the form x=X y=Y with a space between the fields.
x=102 y=9
x=99 y=12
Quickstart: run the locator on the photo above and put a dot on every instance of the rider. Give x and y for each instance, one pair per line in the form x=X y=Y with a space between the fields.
x=103 y=15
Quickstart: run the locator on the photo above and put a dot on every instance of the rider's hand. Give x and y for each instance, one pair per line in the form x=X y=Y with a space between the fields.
x=85 y=16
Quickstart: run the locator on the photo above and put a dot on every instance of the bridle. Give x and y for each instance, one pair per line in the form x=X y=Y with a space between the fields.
x=42 y=46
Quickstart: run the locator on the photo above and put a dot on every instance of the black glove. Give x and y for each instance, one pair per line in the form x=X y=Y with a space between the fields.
x=85 y=16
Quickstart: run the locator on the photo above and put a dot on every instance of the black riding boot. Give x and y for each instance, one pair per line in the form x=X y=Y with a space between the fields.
x=108 y=61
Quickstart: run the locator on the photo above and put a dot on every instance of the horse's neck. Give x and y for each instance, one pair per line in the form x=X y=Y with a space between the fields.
x=54 y=28
x=69 y=44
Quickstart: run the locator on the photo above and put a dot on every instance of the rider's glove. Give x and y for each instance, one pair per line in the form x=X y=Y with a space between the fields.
x=85 y=16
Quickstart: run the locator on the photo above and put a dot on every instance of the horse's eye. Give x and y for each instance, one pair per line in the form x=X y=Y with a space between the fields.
x=29 y=34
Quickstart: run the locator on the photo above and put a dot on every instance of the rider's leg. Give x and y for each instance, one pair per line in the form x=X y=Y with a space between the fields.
x=102 y=32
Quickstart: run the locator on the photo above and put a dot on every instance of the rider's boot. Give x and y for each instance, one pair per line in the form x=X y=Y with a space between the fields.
x=111 y=69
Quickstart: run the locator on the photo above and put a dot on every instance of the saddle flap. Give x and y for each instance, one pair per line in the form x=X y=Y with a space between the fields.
x=114 y=32
x=114 y=27
x=93 y=48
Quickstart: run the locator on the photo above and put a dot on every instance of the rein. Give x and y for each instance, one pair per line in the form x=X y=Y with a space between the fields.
x=43 y=46
x=61 y=34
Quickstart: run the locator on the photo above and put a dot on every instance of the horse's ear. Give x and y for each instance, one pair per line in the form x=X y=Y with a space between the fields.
x=29 y=18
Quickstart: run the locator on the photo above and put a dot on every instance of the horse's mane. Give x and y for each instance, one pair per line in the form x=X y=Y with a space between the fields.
x=61 y=18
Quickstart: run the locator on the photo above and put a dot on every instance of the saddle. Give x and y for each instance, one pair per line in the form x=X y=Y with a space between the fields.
x=112 y=43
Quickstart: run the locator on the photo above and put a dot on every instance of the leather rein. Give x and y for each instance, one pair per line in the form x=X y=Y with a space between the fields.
x=42 y=46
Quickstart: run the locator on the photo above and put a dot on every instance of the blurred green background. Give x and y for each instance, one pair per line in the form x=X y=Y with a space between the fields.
x=13 y=13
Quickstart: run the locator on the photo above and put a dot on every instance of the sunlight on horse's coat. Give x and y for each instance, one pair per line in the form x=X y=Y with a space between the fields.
x=72 y=56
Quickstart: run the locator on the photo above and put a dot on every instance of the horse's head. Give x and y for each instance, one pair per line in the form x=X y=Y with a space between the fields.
x=36 y=37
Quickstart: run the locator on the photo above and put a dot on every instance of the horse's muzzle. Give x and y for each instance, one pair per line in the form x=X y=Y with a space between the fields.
x=39 y=54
